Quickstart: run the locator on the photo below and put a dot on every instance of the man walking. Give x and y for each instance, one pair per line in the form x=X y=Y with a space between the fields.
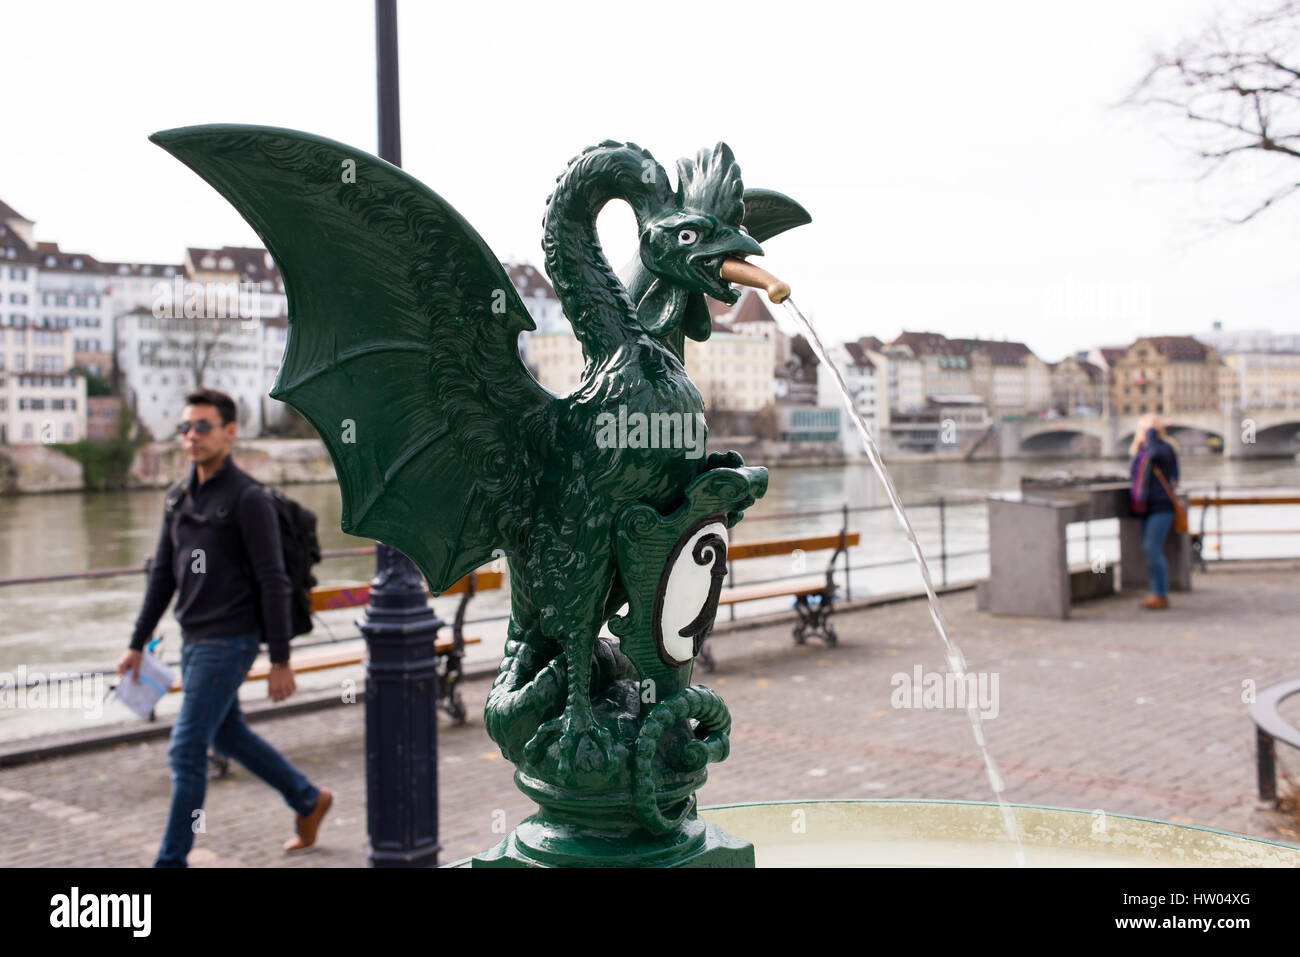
x=219 y=551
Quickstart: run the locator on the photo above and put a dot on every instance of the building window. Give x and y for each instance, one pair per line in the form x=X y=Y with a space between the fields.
x=27 y=432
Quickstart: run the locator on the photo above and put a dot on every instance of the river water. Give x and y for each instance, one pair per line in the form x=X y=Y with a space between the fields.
x=83 y=626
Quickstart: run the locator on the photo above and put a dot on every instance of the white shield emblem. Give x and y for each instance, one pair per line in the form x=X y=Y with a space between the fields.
x=687 y=598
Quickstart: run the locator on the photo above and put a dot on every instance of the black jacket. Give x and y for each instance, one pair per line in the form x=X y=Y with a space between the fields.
x=229 y=577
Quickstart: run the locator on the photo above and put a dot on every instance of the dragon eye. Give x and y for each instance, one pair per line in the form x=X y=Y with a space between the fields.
x=687 y=236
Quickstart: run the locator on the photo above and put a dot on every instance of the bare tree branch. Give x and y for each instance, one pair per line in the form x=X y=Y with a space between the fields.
x=1235 y=90
x=1280 y=194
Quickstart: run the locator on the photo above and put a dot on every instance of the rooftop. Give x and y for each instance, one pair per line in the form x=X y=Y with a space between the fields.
x=166 y=270
x=858 y=356
x=7 y=212
x=50 y=256
x=1177 y=348
x=749 y=308
x=249 y=263
x=1000 y=351
x=13 y=248
x=928 y=344
x=529 y=281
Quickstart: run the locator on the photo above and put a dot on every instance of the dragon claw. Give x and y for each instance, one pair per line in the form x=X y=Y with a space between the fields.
x=578 y=743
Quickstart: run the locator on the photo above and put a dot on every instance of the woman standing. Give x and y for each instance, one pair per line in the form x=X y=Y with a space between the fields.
x=1153 y=475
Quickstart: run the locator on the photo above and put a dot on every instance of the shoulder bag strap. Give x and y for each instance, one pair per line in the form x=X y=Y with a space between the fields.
x=1168 y=491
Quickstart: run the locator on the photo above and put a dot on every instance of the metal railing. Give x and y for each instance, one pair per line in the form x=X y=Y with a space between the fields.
x=1218 y=500
x=941 y=504
x=1204 y=502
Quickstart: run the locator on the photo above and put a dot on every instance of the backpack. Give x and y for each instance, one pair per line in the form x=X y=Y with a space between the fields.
x=299 y=545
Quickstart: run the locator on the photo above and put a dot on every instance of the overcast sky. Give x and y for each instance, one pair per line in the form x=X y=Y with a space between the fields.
x=964 y=163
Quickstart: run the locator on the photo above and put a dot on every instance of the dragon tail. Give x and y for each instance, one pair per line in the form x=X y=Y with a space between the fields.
x=522 y=697
x=697 y=702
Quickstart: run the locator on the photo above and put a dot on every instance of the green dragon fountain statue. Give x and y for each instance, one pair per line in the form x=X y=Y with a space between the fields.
x=403 y=354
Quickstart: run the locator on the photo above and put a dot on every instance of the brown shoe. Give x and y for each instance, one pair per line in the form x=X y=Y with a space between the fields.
x=1156 y=602
x=308 y=824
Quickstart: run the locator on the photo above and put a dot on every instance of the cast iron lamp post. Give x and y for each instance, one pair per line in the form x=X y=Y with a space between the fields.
x=400 y=628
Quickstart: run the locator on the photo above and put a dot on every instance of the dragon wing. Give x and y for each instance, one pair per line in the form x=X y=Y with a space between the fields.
x=769 y=213
x=403 y=340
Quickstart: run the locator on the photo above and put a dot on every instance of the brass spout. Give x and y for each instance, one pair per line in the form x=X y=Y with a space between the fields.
x=747 y=274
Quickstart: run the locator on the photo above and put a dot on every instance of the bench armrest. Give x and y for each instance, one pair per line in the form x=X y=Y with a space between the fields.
x=458 y=627
x=842 y=549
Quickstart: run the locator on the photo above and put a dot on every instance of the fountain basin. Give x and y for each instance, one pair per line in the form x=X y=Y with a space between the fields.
x=902 y=833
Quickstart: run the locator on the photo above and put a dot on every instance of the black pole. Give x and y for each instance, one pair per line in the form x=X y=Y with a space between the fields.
x=400 y=628
x=390 y=113
x=401 y=715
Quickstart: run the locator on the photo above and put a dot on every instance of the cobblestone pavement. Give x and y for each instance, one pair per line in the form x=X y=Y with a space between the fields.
x=1117 y=709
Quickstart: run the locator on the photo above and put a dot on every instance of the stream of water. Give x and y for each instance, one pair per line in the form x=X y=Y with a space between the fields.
x=956 y=660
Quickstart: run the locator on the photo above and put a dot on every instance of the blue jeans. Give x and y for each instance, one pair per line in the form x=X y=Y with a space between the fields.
x=1155 y=528
x=211 y=672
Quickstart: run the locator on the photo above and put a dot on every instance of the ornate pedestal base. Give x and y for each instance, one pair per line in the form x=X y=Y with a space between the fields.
x=572 y=829
x=695 y=844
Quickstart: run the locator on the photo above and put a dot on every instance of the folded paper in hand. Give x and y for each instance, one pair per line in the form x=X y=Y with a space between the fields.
x=156 y=678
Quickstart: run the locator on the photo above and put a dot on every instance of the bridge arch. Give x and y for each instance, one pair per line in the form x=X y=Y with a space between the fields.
x=1061 y=442
x=1045 y=436
x=1278 y=438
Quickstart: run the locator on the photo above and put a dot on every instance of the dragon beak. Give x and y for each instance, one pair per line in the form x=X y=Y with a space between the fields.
x=738 y=244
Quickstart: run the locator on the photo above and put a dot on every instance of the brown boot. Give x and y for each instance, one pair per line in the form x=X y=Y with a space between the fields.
x=308 y=824
x=1156 y=602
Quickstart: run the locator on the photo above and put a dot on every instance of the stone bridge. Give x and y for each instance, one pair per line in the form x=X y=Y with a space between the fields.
x=1245 y=433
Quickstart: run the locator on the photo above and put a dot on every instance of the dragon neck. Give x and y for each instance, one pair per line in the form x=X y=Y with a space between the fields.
x=602 y=314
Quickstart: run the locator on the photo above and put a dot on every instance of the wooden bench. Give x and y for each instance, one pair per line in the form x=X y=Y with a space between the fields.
x=450 y=651
x=814 y=595
x=319 y=659
x=1269 y=729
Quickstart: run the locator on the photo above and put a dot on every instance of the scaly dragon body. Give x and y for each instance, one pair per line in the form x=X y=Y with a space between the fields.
x=569 y=551
x=403 y=354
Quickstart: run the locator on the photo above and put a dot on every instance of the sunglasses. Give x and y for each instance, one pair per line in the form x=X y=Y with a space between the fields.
x=202 y=427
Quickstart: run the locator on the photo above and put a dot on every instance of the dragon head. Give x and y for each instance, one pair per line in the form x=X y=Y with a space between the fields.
x=686 y=242
x=685 y=245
